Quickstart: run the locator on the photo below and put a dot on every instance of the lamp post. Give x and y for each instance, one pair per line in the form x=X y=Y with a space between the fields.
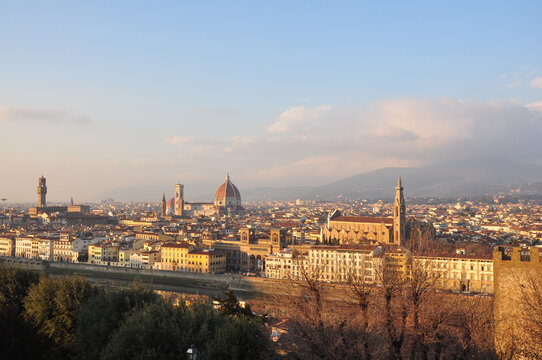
x=192 y=353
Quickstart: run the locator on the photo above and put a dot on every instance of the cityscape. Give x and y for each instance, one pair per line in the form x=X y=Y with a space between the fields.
x=282 y=181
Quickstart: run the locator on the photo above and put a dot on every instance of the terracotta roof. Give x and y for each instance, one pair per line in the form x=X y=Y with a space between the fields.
x=227 y=190
x=365 y=219
x=174 y=245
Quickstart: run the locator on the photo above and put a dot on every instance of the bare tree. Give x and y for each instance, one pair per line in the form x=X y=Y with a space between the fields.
x=418 y=287
x=395 y=313
x=359 y=288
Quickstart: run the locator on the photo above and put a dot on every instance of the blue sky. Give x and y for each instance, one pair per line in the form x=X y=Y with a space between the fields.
x=101 y=95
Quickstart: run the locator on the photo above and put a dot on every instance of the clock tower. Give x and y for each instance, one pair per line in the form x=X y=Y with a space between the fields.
x=42 y=191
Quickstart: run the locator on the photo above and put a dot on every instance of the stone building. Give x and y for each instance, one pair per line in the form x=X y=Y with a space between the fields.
x=249 y=252
x=337 y=264
x=364 y=229
x=518 y=297
x=7 y=245
x=227 y=201
x=459 y=272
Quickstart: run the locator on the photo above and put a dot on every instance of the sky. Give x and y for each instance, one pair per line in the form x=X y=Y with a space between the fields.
x=103 y=95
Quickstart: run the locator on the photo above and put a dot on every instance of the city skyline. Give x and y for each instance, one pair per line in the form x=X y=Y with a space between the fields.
x=98 y=96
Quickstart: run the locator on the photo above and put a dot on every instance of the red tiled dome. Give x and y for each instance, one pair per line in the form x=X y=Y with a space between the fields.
x=227 y=194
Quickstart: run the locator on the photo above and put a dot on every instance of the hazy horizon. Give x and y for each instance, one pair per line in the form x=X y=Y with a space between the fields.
x=101 y=96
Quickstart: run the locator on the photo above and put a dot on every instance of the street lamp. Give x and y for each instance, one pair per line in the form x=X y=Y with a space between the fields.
x=192 y=353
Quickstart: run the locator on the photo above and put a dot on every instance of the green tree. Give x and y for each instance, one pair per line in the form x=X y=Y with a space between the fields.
x=14 y=285
x=18 y=338
x=52 y=306
x=153 y=332
x=238 y=338
x=103 y=314
x=230 y=305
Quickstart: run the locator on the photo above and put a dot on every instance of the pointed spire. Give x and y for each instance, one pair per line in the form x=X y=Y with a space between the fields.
x=399 y=183
x=227 y=176
x=163 y=197
x=71 y=201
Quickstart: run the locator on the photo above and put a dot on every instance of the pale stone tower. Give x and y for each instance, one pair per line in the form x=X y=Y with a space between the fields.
x=399 y=210
x=179 y=199
x=163 y=204
x=42 y=191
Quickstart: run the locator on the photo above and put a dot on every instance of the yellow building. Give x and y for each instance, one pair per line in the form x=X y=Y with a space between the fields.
x=206 y=261
x=7 y=245
x=174 y=256
x=95 y=253
x=396 y=264
x=103 y=253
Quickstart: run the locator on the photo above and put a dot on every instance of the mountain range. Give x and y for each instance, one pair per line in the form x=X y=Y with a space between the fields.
x=474 y=177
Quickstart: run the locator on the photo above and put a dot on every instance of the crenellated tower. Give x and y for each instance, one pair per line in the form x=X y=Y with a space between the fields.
x=42 y=191
x=399 y=214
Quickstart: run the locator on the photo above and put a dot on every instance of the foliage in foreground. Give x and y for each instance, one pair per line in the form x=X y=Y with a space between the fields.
x=50 y=318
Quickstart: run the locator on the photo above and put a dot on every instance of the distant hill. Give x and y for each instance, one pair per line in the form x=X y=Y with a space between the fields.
x=451 y=179
x=476 y=177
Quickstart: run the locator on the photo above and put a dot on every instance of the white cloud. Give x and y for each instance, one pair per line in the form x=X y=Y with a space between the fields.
x=40 y=115
x=316 y=145
x=296 y=116
x=537 y=83
x=514 y=84
x=535 y=106
x=342 y=141
x=179 y=140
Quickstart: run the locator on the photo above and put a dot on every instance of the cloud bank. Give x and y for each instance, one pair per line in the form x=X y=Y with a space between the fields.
x=13 y=114
x=326 y=140
x=179 y=140
x=537 y=83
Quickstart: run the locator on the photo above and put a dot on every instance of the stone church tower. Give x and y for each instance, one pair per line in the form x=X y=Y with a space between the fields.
x=42 y=191
x=179 y=199
x=163 y=205
x=399 y=218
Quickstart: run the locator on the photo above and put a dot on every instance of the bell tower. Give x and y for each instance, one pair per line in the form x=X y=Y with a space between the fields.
x=163 y=208
x=399 y=217
x=42 y=191
x=179 y=199
x=245 y=235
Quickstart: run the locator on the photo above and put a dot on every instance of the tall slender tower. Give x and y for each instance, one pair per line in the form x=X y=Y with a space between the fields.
x=163 y=204
x=179 y=199
x=42 y=191
x=399 y=210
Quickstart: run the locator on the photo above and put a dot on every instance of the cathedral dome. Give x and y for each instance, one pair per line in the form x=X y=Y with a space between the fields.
x=227 y=194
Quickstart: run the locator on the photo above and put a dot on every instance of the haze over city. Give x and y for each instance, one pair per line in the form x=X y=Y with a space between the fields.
x=280 y=180
x=101 y=96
